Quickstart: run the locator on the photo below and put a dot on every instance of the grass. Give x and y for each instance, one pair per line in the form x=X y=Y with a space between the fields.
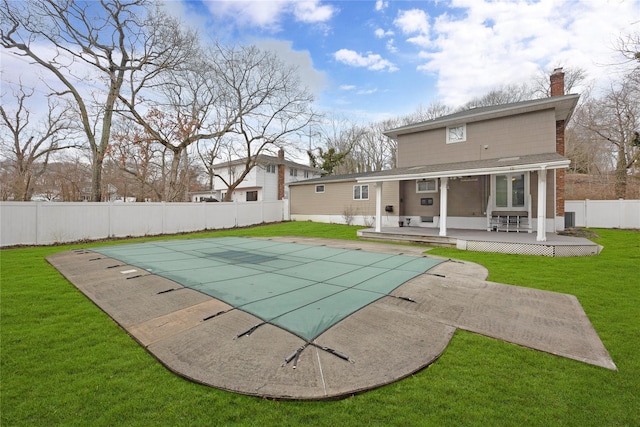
x=64 y=362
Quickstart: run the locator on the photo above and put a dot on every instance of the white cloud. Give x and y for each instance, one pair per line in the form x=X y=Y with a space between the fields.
x=312 y=12
x=381 y=5
x=413 y=21
x=371 y=61
x=310 y=77
x=268 y=14
x=391 y=47
x=347 y=87
x=380 y=33
x=488 y=44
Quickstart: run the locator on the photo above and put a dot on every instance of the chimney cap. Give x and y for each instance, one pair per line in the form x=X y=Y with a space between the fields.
x=557 y=70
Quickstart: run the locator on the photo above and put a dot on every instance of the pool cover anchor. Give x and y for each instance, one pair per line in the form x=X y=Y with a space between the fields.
x=217 y=314
x=334 y=352
x=250 y=330
x=295 y=356
x=402 y=298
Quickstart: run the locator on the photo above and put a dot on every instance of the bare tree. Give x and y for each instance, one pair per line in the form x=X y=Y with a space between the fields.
x=67 y=179
x=107 y=39
x=573 y=78
x=136 y=155
x=502 y=95
x=268 y=102
x=629 y=46
x=189 y=105
x=28 y=144
x=434 y=110
x=614 y=120
x=336 y=137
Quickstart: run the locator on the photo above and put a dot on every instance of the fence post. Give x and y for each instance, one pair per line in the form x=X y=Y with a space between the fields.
x=38 y=224
x=620 y=213
x=586 y=213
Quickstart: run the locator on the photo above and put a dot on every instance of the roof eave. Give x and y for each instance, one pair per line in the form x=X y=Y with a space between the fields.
x=563 y=107
x=558 y=164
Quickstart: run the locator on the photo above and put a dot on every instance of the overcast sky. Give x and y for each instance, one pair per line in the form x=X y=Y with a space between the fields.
x=377 y=59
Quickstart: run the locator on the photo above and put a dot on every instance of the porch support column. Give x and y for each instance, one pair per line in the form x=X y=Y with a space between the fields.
x=542 y=205
x=378 y=207
x=444 y=185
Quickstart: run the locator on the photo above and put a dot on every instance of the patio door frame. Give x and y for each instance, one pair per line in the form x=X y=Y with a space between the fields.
x=510 y=207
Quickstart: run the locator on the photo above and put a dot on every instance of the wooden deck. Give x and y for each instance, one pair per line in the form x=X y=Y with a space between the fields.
x=489 y=241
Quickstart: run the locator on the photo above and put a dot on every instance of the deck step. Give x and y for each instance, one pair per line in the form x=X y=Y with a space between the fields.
x=448 y=242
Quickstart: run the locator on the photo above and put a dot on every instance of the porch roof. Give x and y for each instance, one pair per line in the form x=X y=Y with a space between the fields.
x=471 y=168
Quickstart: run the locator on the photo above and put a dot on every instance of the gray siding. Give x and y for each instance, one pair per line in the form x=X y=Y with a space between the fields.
x=532 y=133
x=338 y=197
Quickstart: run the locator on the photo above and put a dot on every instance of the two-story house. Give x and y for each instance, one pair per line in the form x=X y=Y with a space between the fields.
x=266 y=181
x=497 y=168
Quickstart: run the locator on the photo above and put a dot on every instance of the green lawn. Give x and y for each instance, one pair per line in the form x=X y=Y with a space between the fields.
x=64 y=362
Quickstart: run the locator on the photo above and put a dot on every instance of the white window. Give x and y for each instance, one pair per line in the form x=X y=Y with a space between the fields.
x=271 y=168
x=320 y=188
x=361 y=192
x=426 y=186
x=456 y=133
x=306 y=174
x=510 y=190
x=293 y=172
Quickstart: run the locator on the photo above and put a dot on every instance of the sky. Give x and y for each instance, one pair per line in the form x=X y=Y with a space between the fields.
x=371 y=60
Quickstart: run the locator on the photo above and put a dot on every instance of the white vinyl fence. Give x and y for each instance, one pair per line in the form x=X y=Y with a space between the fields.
x=43 y=223
x=605 y=213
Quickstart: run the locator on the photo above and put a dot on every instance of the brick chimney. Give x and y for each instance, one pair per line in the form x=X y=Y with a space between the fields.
x=557 y=82
x=557 y=89
x=281 y=174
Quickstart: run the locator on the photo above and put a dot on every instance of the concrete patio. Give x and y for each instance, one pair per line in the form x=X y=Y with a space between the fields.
x=523 y=243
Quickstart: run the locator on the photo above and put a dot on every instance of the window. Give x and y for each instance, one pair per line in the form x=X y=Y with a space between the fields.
x=320 y=188
x=293 y=172
x=426 y=186
x=456 y=133
x=271 y=168
x=361 y=192
x=510 y=190
x=252 y=196
x=306 y=174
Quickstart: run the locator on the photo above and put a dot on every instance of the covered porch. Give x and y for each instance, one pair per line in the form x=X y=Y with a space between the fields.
x=511 y=203
x=554 y=245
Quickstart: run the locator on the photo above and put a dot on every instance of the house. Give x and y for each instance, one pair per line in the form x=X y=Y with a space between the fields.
x=266 y=181
x=497 y=168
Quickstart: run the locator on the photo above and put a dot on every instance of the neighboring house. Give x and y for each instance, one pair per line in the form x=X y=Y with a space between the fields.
x=489 y=168
x=265 y=182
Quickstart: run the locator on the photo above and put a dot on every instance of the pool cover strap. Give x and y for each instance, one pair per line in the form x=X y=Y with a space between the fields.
x=296 y=354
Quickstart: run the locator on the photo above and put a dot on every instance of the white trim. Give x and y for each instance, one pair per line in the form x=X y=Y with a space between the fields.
x=560 y=164
x=361 y=186
x=541 y=232
x=444 y=185
x=527 y=191
x=378 y=220
x=435 y=185
x=463 y=137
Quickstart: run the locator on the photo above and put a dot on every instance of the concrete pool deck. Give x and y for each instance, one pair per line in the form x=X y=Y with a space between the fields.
x=383 y=342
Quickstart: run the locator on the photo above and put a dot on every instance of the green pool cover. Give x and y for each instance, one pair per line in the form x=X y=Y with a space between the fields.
x=301 y=288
